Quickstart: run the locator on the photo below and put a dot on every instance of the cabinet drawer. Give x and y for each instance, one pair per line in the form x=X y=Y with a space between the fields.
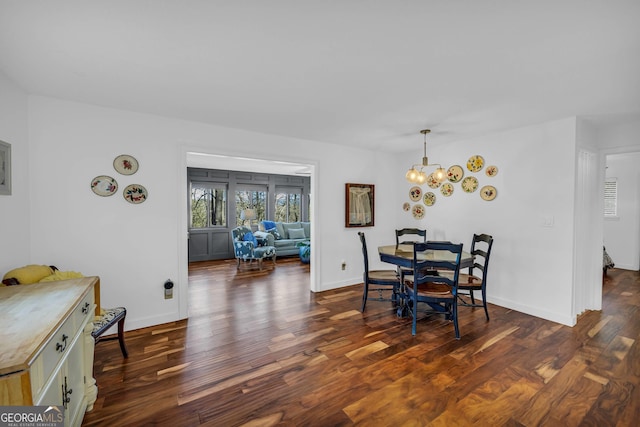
x=56 y=348
x=84 y=310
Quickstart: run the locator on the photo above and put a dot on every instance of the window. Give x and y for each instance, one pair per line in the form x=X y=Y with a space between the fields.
x=208 y=205
x=253 y=197
x=611 y=197
x=288 y=204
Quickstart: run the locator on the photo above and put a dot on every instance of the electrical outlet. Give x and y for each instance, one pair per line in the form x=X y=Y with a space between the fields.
x=168 y=289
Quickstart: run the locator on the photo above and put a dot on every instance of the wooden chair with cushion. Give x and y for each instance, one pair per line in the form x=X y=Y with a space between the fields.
x=476 y=278
x=426 y=286
x=420 y=233
x=108 y=318
x=415 y=235
x=383 y=280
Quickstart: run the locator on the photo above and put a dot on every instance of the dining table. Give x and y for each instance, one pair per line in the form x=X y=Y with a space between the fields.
x=402 y=256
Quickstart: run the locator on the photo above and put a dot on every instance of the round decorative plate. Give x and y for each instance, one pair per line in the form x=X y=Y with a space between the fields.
x=455 y=173
x=415 y=193
x=429 y=198
x=491 y=170
x=432 y=181
x=469 y=184
x=406 y=206
x=104 y=185
x=475 y=163
x=446 y=189
x=125 y=164
x=418 y=211
x=135 y=193
x=488 y=192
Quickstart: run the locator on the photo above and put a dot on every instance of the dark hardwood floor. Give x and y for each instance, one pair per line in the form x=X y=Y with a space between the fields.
x=259 y=349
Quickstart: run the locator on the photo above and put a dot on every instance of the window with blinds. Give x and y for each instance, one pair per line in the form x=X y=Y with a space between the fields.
x=611 y=197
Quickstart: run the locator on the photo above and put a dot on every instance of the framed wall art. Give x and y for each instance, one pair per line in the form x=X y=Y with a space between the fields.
x=359 y=205
x=5 y=168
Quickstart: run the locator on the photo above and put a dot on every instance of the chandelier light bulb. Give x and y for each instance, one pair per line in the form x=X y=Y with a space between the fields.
x=411 y=175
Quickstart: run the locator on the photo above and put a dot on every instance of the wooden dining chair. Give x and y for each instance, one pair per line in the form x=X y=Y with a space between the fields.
x=476 y=278
x=419 y=235
x=410 y=232
x=427 y=286
x=382 y=280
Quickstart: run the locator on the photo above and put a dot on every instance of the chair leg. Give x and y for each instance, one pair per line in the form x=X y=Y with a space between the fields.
x=123 y=347
x=364 y=295
x=484 y=303
x=455 y=319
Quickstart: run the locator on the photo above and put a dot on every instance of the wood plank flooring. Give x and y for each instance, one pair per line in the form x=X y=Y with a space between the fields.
x=259 y=349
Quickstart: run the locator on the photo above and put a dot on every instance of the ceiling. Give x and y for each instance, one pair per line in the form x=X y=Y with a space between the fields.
x=364 y=73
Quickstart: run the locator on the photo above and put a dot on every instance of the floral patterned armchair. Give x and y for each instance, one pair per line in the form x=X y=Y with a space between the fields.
x=248 y=247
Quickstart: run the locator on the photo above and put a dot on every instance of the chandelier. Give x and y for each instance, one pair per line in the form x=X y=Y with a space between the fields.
x=416 y=176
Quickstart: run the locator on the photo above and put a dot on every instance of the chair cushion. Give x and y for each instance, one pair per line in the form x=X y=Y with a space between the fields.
x=108 y=318
x=469 y=281
x=264 y=252
x=390 y=275
x=434 y=289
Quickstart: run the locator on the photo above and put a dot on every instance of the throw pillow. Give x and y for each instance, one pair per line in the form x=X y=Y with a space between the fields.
x=26 y=275
x=274 y=232
x=296 y=233
x=268 y=225
x=249 y=237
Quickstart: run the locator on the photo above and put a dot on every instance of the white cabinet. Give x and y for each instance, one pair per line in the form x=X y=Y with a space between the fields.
x=51 y=359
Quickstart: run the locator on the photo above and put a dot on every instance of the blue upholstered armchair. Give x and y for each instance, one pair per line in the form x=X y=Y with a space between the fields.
x=248 y=247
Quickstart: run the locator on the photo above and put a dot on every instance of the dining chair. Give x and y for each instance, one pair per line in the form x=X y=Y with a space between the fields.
x=412 y=232
x=429 y=287
x=383 y=280
x=476 y=278
x=419 y=235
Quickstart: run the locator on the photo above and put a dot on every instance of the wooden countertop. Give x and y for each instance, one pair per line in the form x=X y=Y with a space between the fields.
x=31 y=314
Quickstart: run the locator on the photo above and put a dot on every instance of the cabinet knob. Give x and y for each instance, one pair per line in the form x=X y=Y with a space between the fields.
x=85 y=308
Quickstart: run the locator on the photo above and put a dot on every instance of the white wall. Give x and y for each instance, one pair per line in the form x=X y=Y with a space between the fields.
x=135 y=248
x=619 y=140
x=531 y=264
x=14 y=209
x=622 y=234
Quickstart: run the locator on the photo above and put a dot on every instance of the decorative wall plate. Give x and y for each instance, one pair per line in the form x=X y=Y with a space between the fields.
x=104 y=185
x=432 y=181
x=491 y=170
x=488 y=192
x=406 y=206
x=475 y=163
x=125 y=164
x=415 y=193
x=446 y=189
x=429 y=198
x=469 y=184
x=418 y=211
x=135 y=193
x=455 y=173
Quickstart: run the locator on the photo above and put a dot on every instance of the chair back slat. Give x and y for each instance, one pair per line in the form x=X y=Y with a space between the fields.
x=410 y=232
